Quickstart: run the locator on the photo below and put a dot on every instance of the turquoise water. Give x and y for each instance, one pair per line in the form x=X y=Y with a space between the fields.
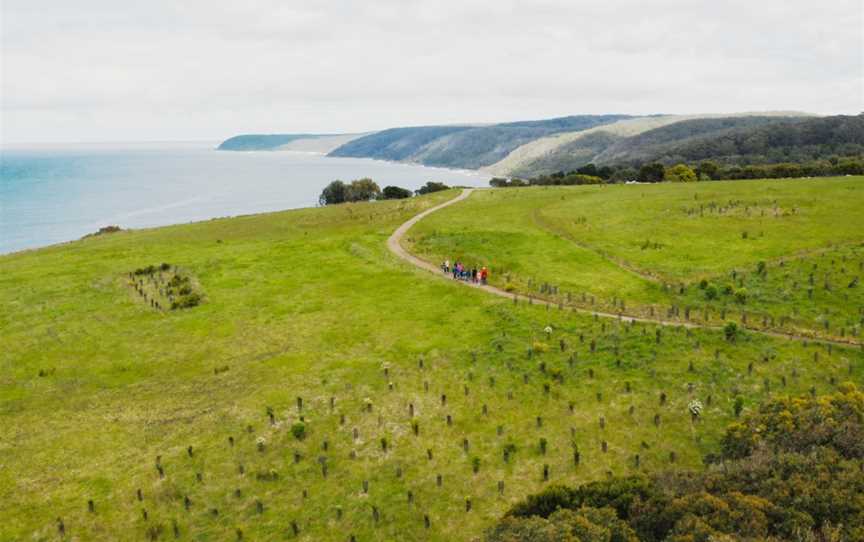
x=51 y=195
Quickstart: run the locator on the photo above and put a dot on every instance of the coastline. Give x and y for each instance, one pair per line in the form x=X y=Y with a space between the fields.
x=286 y=181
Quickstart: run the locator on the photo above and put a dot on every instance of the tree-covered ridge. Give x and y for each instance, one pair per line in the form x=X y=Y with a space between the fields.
x=395 y=144
x=792 y=470
x=463 y=146
x=788 y=140
x=666 y=140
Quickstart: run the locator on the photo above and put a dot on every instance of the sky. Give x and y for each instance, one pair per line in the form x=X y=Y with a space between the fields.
x=109 y=70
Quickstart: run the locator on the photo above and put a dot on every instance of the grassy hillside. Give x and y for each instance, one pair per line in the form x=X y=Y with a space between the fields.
x=322 y=387
x=263 y=142
x=463 y=146
x=650 y=247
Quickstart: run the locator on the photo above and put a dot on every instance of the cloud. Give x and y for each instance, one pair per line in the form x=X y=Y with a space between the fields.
x=103 y=70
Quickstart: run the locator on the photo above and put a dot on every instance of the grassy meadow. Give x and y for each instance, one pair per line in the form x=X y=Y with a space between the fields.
x=646 y=249
x=325 y=390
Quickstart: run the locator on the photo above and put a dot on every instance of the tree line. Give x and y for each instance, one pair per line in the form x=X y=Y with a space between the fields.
x=706 y=170
x=366 y=189
x=790 y=471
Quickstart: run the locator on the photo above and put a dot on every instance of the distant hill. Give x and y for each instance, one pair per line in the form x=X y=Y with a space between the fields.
x=464 y=146
x=764 y=142
x=631 y=142
x=538 y=147
x=396 y=144
x=262 y=142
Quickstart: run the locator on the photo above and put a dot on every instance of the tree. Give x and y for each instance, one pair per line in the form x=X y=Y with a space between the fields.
x=625 y=174
x=605 y=172
x=708 y=168
x=680 y=174
x=333 y=193
x=395 y=192
x=588 y=169
x=362 y=190
x=431 y=187
x=652 y=173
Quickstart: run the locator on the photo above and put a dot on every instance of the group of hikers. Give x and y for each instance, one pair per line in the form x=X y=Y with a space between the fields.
x=461 y=272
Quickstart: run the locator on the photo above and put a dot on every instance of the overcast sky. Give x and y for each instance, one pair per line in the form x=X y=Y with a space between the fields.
x=112 y=70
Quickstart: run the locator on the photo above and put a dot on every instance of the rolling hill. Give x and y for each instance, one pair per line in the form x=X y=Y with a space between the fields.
x=668 y=139
x=324 y=390
x=469 y=147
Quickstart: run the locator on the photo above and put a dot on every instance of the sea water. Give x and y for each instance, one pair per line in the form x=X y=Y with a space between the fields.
x=51 y=194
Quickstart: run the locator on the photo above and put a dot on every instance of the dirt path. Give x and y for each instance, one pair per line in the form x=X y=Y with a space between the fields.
x=394 y=244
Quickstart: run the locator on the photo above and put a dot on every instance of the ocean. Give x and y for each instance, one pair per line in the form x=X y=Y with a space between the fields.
x=51 y=194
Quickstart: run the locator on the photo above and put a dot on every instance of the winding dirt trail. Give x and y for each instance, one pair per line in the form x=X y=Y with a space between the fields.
x=394 y=244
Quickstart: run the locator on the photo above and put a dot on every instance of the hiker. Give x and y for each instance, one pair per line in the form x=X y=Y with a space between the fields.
x=455 y=269
x=474 y=274
x=484 y=273
x=447 y=266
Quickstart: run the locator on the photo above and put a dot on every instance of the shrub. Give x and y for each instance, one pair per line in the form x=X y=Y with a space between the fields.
x=730 y=331
x=431 y=187
x=509 y=450
x=299 y=430
x=680 y=174
x=741 y=295
x=791 y=471
x=540 y=347
x=710 y=292
x=396 y=192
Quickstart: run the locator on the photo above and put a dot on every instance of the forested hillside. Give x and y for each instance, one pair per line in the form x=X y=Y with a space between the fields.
x=463 y=146
x=792 y=140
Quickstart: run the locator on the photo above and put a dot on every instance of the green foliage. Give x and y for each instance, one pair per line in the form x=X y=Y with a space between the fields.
x=498 y=182
x=730 y=331
x=395 y=192
x=585 y=524
x=333 y=193
x=652 y=173
x=738 y=407
x=680 y=174
x=431 y=187
x=791 y=472
x=564 y=179
x=298 y=430
x=356 y=191
x=362 y=190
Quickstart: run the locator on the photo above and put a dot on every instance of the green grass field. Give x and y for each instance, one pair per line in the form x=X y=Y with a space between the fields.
x=651 y=246
x=306 y=315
